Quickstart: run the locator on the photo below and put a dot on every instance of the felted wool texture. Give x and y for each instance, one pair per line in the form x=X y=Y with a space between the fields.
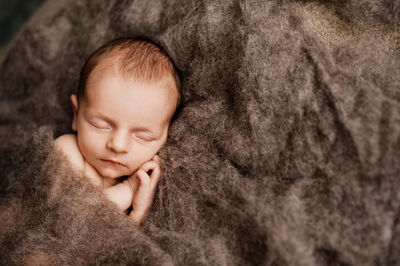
x=286 y=150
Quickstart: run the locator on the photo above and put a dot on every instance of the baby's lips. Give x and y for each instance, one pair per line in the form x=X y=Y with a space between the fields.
x=114 y=161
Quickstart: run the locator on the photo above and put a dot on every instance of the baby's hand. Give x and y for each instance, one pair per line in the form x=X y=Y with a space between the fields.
x=144 y=187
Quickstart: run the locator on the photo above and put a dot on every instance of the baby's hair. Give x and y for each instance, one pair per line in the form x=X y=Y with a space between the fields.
x=137 y=58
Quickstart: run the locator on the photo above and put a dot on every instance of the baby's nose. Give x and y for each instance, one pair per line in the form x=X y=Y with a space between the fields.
x=118 y=142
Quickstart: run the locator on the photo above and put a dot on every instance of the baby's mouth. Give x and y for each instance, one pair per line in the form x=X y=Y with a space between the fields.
x=113 y=163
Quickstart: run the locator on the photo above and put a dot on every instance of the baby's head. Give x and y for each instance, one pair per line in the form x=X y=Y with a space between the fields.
x=128 y=93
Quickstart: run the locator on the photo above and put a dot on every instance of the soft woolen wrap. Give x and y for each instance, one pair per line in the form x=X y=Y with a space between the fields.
x=286 y=150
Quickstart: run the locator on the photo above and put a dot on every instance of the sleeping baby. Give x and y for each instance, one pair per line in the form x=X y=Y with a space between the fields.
x=127 y=95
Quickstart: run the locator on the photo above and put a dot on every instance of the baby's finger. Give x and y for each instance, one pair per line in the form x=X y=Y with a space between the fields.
x=150 y=165
x=133 y=182
x=155 y=176
x=143 y=178
x=156 y=158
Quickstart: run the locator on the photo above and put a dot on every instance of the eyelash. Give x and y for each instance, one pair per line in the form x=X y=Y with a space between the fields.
x=141 y=138
x=100 y=126
x=144 y=139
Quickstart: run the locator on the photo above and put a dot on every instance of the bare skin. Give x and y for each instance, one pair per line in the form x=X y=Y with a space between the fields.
x=136 y=190
x=121 y=124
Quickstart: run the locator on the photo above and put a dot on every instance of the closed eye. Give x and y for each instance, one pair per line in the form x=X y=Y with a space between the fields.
x=143 y=138
x=100 y=125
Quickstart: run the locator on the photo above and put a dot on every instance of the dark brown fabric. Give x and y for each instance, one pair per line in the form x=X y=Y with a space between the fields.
x=286 y=151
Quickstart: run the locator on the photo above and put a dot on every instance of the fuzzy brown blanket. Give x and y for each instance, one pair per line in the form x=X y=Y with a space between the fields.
x=286 y=151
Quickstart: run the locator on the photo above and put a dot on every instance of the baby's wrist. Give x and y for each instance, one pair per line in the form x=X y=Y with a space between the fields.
x=137 y=216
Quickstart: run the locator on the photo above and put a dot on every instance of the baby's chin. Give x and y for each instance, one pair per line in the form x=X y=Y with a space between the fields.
x=113 y=174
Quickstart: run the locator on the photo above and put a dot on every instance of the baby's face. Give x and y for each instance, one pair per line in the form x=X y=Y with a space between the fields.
x=120 y=123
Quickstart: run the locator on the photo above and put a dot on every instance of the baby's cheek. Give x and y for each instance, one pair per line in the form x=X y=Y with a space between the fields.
x=89 y=144
x=138 y=158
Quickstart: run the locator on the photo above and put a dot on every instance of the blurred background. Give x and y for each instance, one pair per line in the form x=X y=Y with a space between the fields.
x=13 y=14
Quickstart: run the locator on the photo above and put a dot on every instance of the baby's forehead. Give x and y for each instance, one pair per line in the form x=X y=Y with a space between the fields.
x=122 y=99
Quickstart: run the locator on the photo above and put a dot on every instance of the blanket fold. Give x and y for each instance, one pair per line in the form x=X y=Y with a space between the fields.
x=53 y=213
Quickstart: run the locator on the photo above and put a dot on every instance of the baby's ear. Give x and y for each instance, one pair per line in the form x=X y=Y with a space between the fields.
x=74 y=103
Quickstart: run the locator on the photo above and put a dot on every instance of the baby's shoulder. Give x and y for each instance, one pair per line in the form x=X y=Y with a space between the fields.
x=68 y=144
